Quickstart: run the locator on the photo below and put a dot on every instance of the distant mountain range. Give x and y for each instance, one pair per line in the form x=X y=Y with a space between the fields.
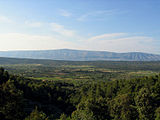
x=80 y=55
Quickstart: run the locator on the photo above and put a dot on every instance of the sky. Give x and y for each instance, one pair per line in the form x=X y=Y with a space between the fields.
x=99 y=25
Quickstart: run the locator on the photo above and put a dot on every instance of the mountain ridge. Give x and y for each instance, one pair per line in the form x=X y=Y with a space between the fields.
x=80 y=55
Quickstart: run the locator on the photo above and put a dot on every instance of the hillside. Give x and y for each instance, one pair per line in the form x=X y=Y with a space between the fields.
x=80 y=55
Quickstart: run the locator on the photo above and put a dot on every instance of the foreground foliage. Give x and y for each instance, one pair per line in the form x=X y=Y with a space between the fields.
x=27 y=99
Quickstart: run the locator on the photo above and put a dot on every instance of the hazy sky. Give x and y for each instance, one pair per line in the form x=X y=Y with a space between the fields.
x=105 y=25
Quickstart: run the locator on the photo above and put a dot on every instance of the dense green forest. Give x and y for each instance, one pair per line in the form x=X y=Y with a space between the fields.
x=97 y=98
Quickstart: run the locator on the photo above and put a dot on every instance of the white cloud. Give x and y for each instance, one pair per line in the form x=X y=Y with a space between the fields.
x=61 y=30
x=107 y=36
x=5 y=19
x=115 y=42
x=61 y=37
x=33 y=24
x=96 y=15
x=64 y=13
x=121 y=42
x=18 y=41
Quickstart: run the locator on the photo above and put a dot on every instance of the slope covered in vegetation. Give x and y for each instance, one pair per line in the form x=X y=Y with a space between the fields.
x=130 y=99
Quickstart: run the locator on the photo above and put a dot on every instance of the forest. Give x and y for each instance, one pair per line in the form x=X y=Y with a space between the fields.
x=62 y=90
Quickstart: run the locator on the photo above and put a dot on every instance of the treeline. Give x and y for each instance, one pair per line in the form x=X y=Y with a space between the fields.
x=27 y=99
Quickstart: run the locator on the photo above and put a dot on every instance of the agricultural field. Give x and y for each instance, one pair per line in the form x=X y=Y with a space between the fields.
x=83 y=71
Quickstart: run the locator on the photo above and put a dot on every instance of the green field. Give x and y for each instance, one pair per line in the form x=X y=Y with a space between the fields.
x=84 y=71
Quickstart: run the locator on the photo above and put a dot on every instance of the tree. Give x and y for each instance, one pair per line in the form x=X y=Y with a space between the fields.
x=4 y=76
x=64 y=117
x=82 y=115
x=36 y=115
x=121 y=108
x=144 y=104
x=157 y=114
x=11 y=101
